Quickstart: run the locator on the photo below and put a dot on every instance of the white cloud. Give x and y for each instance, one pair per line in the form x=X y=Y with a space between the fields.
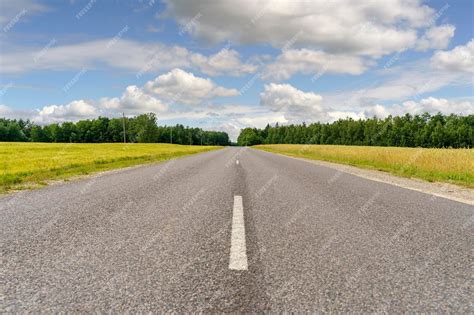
x=11 y=10
x=316 y=36
x=181 y=86
x=133 y=101
x=229 y=117
x=459 y=59
x=164 y=96
x=436 y=37
x=372 y=28
x=434 y=105
x=262 y=120
x=308 y=61
x=290 y=105
x=296 y=106
x=14 y=113
x=335 y=115
x=430 y=104
x=293 y=103
x=226 y=61
x=375 y=110
x=413 y=80
x=75 y=110
x=123 y=54
x=230 y=128
x=232 y=118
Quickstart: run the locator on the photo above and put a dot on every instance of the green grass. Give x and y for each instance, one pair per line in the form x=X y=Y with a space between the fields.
x=454 y=166
x=29 y=165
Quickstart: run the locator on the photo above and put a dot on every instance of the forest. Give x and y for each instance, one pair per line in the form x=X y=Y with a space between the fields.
x=428 y=131
x=140 y=129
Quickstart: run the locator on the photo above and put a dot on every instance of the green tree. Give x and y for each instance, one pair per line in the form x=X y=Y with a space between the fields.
x=248 y=137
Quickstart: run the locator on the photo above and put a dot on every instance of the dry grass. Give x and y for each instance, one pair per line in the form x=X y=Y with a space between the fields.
x=27 y=165
x=442 y=165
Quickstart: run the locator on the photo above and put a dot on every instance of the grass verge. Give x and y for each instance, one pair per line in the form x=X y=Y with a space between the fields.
x=29 y=165
x=455 y=166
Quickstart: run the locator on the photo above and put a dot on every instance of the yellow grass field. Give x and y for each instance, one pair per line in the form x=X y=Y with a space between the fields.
x=28 y=165
x=454 y=166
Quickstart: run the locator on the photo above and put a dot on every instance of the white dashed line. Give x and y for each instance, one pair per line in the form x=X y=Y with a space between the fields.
x=237 y=162
x=238 y=249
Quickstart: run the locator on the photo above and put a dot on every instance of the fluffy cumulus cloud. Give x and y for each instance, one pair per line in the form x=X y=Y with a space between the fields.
x=374 y=111
x=348 y=38
x=337 y=36
x=184 y=87
x=434 y=105
x=75 y=110
x=129 y=55
x=459 y=59
x=436 y=37
x=293 y=103
x=290 y=105
x=308 y=61
x=226 y=61
x=166 y=95
x=133 y=101
x=372 y=28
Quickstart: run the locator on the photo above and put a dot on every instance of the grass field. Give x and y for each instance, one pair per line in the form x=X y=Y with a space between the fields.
x=441 y=165
x=28 y=165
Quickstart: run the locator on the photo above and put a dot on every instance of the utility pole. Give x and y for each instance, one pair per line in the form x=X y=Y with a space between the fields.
x=171 y=135
x=124 y=134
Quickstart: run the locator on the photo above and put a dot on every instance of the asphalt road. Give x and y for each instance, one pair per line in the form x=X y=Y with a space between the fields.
x=159 y=238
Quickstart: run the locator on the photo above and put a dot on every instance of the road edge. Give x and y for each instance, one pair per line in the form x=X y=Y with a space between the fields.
x=436 y=189
x=30 y=186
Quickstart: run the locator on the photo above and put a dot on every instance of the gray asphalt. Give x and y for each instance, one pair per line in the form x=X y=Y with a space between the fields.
x=157 y=238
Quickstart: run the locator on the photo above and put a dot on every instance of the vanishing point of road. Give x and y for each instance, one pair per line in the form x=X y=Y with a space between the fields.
x=234 y=230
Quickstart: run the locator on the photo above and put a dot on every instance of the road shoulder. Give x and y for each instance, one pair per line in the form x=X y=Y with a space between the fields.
x=436 y=189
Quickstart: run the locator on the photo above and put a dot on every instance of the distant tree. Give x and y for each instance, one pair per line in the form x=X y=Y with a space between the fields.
x=248 y=137
x=413 y=131
x=410 y=131
x=146 y=128
x=11 y=130
x=38 y=134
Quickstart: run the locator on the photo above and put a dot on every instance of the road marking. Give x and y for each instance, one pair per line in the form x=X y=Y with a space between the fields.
x=237 y=162
x=238 y=249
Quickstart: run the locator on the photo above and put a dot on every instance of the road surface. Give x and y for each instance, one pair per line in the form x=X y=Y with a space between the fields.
x=234 y=230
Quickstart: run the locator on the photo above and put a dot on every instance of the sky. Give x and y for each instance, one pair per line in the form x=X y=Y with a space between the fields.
x=225 y=65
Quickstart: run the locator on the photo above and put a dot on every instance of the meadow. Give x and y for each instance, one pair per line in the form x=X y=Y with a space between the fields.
x=454 y=166
x=29 y=165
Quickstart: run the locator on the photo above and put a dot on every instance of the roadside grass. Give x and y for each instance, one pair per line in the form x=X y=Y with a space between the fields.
x=29 y=165
x=455 y=166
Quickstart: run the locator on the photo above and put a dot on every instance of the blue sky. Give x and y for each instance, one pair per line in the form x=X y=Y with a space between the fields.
x=232 y=64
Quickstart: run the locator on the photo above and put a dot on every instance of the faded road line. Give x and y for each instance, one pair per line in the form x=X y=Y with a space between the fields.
x=238 y=249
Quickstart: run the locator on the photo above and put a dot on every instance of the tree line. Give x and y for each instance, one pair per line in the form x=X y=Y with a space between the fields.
x=142 y=129
x=429 y=131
